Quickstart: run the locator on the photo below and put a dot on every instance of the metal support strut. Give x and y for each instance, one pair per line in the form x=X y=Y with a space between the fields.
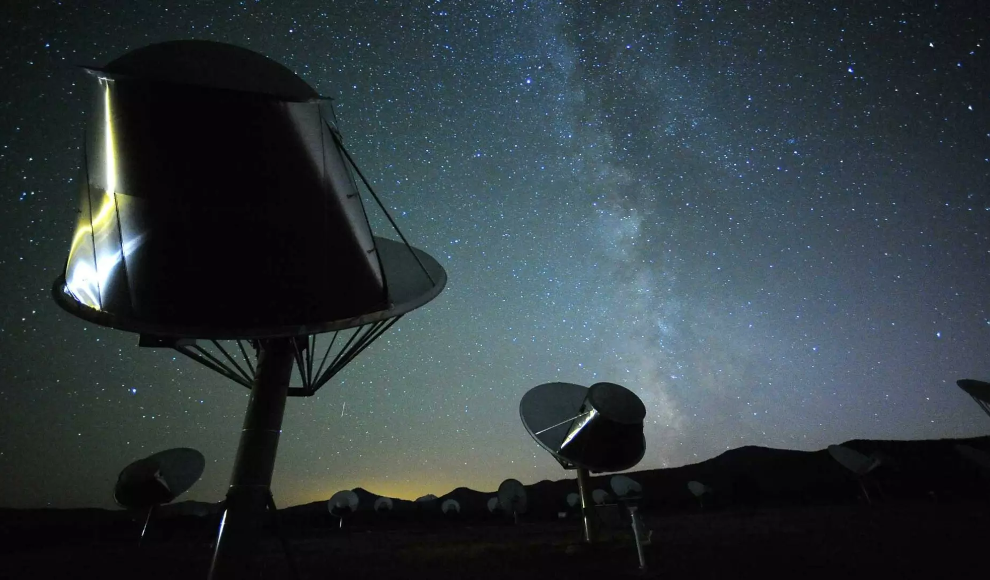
x=250 y=483
x=587 y=506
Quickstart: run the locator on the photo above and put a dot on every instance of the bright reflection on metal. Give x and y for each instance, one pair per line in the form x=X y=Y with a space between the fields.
x=86 y=276
x=581 y=423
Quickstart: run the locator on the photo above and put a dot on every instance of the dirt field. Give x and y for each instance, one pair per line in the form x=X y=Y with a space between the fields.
x=854 y=541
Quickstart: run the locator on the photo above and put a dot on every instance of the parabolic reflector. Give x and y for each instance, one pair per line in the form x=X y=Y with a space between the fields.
x=598 y=428
x=159 y=478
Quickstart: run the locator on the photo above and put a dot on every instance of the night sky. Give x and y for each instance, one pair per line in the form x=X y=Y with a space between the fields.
x=768 y=219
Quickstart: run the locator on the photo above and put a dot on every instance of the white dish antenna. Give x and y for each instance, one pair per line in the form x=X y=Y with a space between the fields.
x=450 y=505
x=625 y=487
x=600 y=496
x=853 y=460
x=492 y=504
x=383 y=504
x=573 y=499
x=342 y=503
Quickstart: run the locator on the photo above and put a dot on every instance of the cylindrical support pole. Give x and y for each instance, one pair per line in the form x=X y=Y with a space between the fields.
x=250 y=483
x=637 y=535
x=587 y=506
x=147 y=520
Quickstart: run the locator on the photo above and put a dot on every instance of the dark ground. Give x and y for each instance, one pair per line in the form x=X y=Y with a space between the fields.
x=889 y=540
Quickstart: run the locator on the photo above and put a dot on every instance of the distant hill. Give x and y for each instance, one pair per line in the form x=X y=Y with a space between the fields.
x=743 y=477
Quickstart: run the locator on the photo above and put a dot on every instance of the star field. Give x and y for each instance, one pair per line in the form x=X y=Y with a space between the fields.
x=769 y=220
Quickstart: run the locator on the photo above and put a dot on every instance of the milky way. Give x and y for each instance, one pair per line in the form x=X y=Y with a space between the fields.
x=769 y=220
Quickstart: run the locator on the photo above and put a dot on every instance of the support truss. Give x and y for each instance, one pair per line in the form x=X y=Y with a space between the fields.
x=317 y=357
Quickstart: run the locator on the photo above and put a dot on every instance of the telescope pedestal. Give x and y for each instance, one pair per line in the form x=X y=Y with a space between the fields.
x=587 y=506
x=250 y=485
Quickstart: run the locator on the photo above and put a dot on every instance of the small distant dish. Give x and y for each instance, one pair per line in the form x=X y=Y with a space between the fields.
x=853 y=460
x=573 y=499
x=979 y=390
x=342 y=503
x=159 y=478
x=600 y=496
x=426 y=498
x=450 y=505
x=980 y=458
x=492 y=504
x=625 y=487
x=383 y=504
x=512 y=497
x=698 y=489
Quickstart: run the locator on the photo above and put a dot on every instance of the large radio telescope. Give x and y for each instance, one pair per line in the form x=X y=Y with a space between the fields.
x=219 y=204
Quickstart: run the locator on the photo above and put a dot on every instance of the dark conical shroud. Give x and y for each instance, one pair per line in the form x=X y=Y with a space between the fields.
x=216 y=201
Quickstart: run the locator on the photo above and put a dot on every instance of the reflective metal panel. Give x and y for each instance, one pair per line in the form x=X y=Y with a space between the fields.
x=211 y=206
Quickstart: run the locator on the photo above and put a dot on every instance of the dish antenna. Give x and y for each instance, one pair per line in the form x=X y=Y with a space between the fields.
x=450 y=505
x=195 y=147
x=855 y=462
x=626 y=487
x=629 y=492
x=979 y=390
x=512 y=498
x=492 y=504
x=698 y=490
x=157 y=479
x=383 y=504
x=573 y=499
x=600 y=496
x=342 y=503
x=979 y=458
x=590 y=429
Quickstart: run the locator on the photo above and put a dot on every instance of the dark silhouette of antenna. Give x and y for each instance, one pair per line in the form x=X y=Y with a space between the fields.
x=589 y=429
x=860 y=465
x=513 y=499
x=220 y=216
x=383 y=505
x=699 y=490
x=630 y=492
x=979 y=390
x=157 y=479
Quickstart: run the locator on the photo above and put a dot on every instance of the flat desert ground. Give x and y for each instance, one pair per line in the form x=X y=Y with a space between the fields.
x=889 y=540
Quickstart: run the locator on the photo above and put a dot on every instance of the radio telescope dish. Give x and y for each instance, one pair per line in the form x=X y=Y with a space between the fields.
x=594 y=429
x=600 y=496
x=697 y=488
x=342 y=503
x=492 y=504
x=383 y=504
x=599 y=428
x=159 y=478
x=512 y=497
x=853 y=460
x=573 y=499
x=625 y=487
x=979 y=390
x=450 y=505
x=979 y=458
x=194 y=146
